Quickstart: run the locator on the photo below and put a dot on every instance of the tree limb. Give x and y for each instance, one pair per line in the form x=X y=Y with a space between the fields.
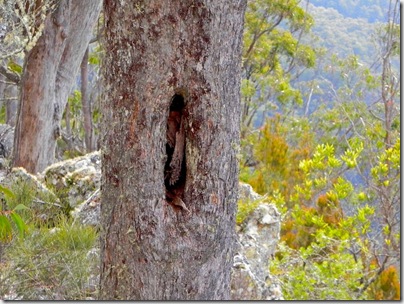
x=14 y=78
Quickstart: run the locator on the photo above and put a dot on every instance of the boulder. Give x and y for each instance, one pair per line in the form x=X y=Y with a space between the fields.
x=74 y=179
x=258 y=236
x=88 y=213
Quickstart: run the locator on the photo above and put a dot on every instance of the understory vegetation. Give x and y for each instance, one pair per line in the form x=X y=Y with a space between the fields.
x=45 y=255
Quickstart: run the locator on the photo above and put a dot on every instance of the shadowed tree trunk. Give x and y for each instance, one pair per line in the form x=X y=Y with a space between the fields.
x=49 y=74
x=170 y=137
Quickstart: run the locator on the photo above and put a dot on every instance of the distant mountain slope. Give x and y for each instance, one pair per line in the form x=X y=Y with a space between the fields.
x=341 y=35
x=371 y=10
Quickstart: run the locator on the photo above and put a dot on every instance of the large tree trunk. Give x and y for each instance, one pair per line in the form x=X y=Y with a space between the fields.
x=172 y=72
x=49 y=74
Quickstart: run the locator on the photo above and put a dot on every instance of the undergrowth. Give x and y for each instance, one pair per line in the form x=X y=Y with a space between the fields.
x=51 y=263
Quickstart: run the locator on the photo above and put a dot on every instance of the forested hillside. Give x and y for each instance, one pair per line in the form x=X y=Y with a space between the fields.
x=316 y=133
x=343 y=35
x=371 y=10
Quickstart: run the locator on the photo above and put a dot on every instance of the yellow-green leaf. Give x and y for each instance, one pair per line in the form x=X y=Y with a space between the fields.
x=6 y=233
x=21 y=226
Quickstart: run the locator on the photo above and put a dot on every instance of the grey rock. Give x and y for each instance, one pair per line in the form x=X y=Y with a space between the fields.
x=75 y=179
x=258 y=236
x=88 y=213
x=246 y=192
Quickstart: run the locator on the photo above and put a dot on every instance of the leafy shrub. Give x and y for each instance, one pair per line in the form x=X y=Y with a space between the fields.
x=387 y=286
x=10 y=218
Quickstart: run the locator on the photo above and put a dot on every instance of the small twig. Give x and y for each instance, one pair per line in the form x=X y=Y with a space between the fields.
x=37 y=200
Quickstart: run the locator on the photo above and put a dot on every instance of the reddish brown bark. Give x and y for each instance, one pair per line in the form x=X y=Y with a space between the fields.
x=152 y=247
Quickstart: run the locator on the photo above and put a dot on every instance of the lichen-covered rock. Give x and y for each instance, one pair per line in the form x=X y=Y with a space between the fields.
x=88 y=213
x=20 y=175
x=258 y=236
x=246 y=192
x=74 y=179
x=42 y=202
x=245 y=285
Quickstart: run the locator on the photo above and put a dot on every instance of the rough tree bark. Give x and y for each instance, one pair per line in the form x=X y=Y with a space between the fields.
x=172 y=71
x=49 y=74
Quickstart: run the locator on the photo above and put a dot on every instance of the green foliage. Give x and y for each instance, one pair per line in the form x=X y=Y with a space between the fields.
x=6 y=231
x=323 y=244
x=271 y=54
x=277 y=156
x=322 y=271
x=341 y=35
x=52 y=263
x=75 y=105
x=387 y=169
x=14 y=67
x=41 y=207
x=94 y=57
x=334 y=173
x=10 y=218
x=3 y=114
x=72 y=122
x=246 y=207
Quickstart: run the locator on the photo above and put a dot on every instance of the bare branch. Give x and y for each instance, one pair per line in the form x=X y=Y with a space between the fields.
x=14 y=78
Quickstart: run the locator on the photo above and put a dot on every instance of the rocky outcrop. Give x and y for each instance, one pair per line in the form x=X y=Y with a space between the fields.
x=88 y=213
x=75 y=180
x=258 y=236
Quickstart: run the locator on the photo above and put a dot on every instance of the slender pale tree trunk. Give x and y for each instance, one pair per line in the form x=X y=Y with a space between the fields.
x=170 y=139
x=85 y=101
x=49 y=74
x=9 y=98
x=68 y=138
